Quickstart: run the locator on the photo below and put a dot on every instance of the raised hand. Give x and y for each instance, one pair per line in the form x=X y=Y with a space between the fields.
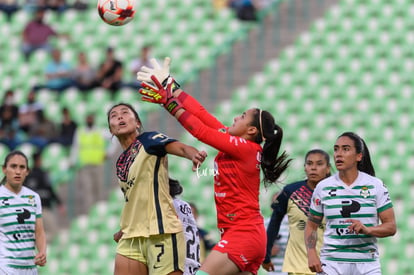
x=160 y=73
x=161 y=95
x=154 y=94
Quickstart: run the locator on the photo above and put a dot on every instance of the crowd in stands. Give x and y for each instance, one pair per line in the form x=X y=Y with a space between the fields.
x=28 y=123
x=60 y=74
x=9 y=7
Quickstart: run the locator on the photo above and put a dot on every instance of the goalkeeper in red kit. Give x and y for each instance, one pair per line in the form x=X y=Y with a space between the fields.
x=242 y=246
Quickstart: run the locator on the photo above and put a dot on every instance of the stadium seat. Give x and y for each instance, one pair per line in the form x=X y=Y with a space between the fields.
x=55 y=158
x=4 y=150
x=28 y=149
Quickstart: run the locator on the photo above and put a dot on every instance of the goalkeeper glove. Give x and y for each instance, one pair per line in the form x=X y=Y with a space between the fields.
x=160 y=73
x=161 y=95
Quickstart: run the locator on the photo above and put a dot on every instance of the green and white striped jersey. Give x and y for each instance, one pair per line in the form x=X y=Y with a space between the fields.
x=337 y=202
x=18 y=213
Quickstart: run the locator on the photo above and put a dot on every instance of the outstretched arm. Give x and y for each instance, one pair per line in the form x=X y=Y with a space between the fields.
x=160 y=87
x=183 y=150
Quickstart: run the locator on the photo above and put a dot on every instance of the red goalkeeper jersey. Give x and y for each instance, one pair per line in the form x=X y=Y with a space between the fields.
x=237 y=166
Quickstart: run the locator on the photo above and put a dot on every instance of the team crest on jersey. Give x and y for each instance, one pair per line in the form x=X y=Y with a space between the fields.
x=31 y=200
x=364 y=192
x=317 y=201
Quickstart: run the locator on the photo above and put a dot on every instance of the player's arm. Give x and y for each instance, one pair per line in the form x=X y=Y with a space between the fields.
x=272 y=231
x=387 y=227
x=183 y=150
x=234 y=146
x=311 y=238
x=193 y=106
x=158 y=89
x=40 y=241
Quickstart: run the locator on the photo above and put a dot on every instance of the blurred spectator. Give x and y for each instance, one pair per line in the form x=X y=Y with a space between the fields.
x=9 y=123
x=32 y=5
x=89 y=152
x=58 y=6
x=110 y=72
x=43 y=131
x=37 y=34
x=206 y=242
x=142 y=60
x=67 y=128
x=39 y=181
x=9 y=111
x=263 y=4
x=28 y=110
x=84 y=74
x=9 y=7
x=219 y=4
x=58 y=73
x=80 y=5
x=245 y=9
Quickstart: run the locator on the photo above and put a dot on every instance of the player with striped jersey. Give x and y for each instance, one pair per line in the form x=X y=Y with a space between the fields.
x=192 y=236
x=21 y=226
x=352 y=201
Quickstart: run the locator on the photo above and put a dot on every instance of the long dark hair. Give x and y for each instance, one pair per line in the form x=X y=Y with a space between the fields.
x=129 y=106
x=272 y=164
x=365 y=165
x=175 y=187
x=7 y=159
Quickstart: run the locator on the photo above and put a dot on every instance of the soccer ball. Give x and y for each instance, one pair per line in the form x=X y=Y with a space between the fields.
x=116 y=12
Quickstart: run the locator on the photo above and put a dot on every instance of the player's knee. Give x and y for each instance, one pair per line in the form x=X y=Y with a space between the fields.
x=200 y=272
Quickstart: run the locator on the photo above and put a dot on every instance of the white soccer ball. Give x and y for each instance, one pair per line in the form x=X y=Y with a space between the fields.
x=116 y=12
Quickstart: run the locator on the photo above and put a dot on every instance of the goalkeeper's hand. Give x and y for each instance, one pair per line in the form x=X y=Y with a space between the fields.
x=160 y=73
x=154 y=94
x=161 y=95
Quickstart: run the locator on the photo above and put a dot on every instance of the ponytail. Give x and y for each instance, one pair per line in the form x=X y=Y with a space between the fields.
x=365 y=165
x=272 y=164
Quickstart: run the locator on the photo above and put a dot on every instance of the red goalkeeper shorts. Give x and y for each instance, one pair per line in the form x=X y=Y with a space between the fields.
x=245 y=246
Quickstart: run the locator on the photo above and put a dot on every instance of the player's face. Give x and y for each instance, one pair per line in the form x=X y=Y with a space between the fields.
x=122 y=121
x=242 y=124
x=316 y=167
x=345 y=154
x=16 y=171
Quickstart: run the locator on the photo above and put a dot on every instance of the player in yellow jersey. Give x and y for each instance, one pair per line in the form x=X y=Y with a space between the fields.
x=152 y=239
x=294 y=201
